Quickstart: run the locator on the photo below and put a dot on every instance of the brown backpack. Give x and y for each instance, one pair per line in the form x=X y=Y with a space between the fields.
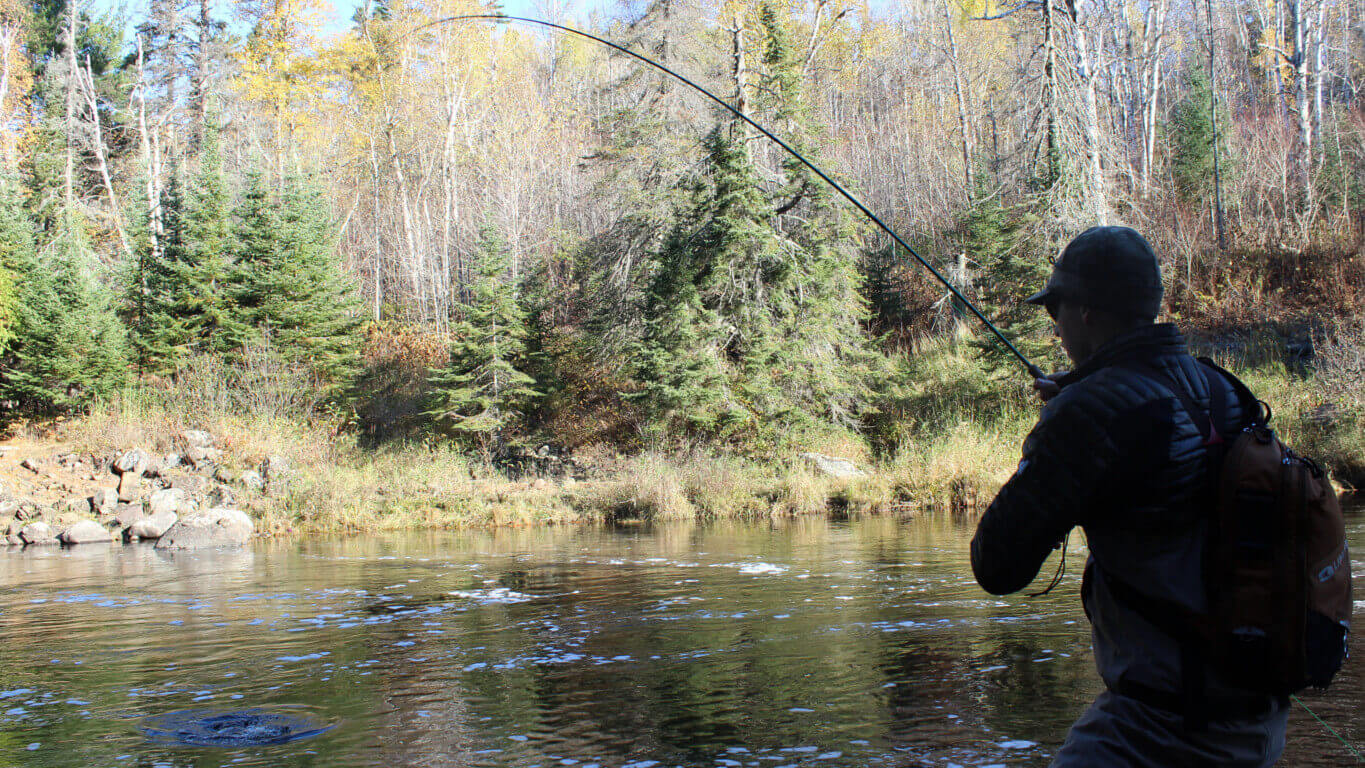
x=1278 y=569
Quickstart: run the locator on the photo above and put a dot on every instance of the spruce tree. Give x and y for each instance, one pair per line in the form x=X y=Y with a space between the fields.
x=993 y=236
x=754 y=321
x=484 y=390
x=288 y=284
x=184 y=298
x=69 y=347
x=1191 y=137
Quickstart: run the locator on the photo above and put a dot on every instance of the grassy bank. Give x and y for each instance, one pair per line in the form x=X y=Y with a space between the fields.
x=955 y=432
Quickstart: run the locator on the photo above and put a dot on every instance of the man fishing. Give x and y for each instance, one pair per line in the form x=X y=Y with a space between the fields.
x=1117 y=452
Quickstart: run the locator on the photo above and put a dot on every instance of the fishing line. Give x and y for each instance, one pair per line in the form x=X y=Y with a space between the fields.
x=1359 y=758
x=1033 y=370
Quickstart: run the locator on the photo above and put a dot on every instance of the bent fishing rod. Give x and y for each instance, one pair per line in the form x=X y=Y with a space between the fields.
x=1033 y=370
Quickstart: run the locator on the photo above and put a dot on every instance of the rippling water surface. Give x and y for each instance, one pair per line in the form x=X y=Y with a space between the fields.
x=796 y=643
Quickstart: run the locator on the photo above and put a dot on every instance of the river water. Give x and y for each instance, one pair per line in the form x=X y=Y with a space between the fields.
x=793 y=643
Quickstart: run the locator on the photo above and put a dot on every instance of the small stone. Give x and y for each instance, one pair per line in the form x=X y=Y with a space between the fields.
x=202 y=456
x=170 y=461
x=30 y=465
x=130 y=487
x=197 y=438
x=192 y=485
x=220 y=496
x=135 y=462
x=85 y=532
x=14 y=541
x=104 y=501
x=252 y=480
x=9 y=507
x=38 y=533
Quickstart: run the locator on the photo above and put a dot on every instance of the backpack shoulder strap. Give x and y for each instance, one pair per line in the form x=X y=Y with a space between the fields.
x=1257 y=410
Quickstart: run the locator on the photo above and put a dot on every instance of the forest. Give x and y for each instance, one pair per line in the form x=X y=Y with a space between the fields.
x=490 y=237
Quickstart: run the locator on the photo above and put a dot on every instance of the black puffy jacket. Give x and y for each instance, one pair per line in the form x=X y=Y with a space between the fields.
x=1117 y=454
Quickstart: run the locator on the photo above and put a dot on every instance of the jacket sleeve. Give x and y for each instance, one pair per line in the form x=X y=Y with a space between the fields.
x=1066 y=458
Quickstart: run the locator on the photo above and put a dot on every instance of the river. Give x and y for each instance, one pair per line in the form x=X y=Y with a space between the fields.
x=801 y=642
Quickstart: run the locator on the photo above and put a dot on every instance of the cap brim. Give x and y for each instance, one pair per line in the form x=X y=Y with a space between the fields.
x=1042 y=297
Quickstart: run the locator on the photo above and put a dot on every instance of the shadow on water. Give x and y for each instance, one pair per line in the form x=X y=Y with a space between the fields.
x=787 y=643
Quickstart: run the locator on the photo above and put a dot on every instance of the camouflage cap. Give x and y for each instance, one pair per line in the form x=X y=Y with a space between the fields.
x=1109 y=268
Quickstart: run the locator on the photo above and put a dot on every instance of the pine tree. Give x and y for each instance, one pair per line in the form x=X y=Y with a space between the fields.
x=484 y=390
x=288 y=282
x=69 y=346
x=184 y=298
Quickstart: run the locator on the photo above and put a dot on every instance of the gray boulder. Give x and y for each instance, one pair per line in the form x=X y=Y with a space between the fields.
x=216 y=527
x=832 y=466
x=127 y=514
x=152 y=526
x=192 y=485
x=197 y=438
x=133 y=462
x=38 y=533
x=85 y=532
x=14 y=541
x=172 y=500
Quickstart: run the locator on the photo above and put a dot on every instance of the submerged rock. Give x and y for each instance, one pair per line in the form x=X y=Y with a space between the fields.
x=832 y=466
x=218 y=527
x=85 y=532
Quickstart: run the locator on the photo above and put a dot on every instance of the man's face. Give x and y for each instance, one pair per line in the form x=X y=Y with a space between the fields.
x=1070 y=326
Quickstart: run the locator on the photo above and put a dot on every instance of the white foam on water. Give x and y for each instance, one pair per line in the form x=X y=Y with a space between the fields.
x=498 y=595
x=755 y=569
x=1018 y=744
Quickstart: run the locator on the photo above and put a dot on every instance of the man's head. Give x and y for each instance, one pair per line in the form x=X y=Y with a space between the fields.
x=1107 y=281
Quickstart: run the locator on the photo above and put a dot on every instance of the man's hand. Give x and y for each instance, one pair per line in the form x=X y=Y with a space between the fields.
x=1048 y=388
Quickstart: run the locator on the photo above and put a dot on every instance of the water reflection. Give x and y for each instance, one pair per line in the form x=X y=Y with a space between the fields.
x=784 y=643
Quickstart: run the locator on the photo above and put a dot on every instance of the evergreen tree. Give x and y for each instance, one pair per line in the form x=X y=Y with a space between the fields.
x=16 y=257
x=184 y=298
x=289 y=285
x=69 y=347
x=994 y=238
x=484 y=390
x=1191 y=137
x=754 y=321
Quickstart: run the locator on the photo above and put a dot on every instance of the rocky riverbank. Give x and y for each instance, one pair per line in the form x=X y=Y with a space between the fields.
x=181 y=500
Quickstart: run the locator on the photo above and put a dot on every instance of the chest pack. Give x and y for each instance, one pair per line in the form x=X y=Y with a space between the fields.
x=1277 y=568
